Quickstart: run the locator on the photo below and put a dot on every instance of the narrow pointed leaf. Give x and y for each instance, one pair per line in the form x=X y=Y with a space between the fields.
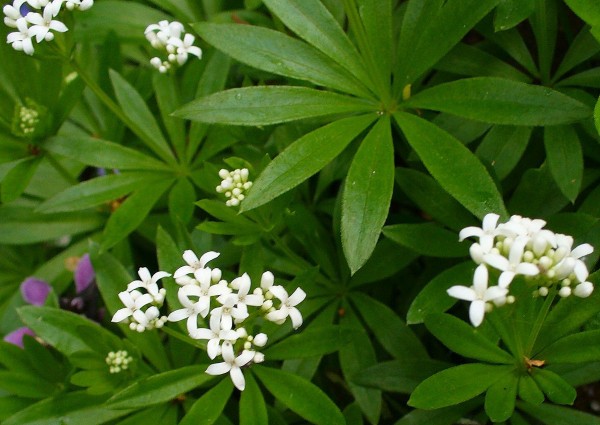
x=500 y=101
x=418 y=237
x=558 y=415
x=367 y=195
x=556 y=388
x=280 y=54
x=253 y=410
x=565 y=159
x=267 y=105
x=207 y=409
x=303 y=158
x=17 y=179
x=500 y=398
x=503 y=146
x=309 y=343
x=564 y=351
x=455 y=385
x=301 y=396
x=454 y=167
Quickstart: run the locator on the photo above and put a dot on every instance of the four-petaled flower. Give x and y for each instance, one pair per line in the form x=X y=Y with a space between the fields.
x=288 y=306
x=43 y=23
x=232 y=364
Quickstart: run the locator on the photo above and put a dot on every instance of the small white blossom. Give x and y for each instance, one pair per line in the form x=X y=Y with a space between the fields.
x=150 y=284
x=215 y=335
x=167 y=36
x=513 y=265
x=22 y=41
x=486 y=233
x=288 y=306
x=133 y=301
x=43 y=23
x=232 y=364
x=194 y=265
x=228 y=313
x=234 y=185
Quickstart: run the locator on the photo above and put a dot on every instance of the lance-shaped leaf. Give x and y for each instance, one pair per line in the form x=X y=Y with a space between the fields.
x=303 y=158
x=503 y=146
x=301 y=396
x=401 y=376
x=253 y=410
x=562 y=351
x=565 y=159
x=455 y=385
x=267 y=105
x=208 y=408
x=501 y=396
x=91 y=193
x=309 y=343
x=418 y=237
x=17 y=179
x=465 y=340
x=311 y=20
x=280 y=54
x=558 y=415
x=500 y=101
x=102 y=153
x=367 y=194
x=556 y=388
x=453 y=165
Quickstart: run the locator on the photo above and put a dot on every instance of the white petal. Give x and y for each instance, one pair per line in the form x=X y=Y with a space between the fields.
x=143 y=300
x=527 y=269
x=476 y=312
x=497 y=261
x=196 y=51
x=190 y=257
x=121 y=315
x=207 y=257
x=159 y=275
x=183 y=271
x=584 y=289
x=126 y=299
x=244 y=358
x=218 y=368
x=296 y=317
x=227 y=352
x=277 y=315
x=135 y=284
x=296 y=298
x=582 y=250
x=506 y=279
x=28 y=46
x=254 y=300
x=140 y=317
x=462 y=293
x=279 y=292
x=480 y=279
x=490 y=221
x=178 y=315
x=266 y=280
x=495 y=292
x=580 y=271
x=467 y=232
x=238 y=378
x=516 y=250
x=203 y=276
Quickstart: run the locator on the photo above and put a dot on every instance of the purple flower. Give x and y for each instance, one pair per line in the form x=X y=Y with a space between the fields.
x=16 y=336
x=84 y=274
x=35 y=291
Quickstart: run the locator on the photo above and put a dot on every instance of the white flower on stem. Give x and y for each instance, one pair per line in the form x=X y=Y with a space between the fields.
x=133 y=301
x=148 y=319
x=513 y=265
x=232 y=365
x=227 y=313
x=185 y=47
x=13 y=13
x=486 y=233
x=288 y=306
x=149 y=283
x=193 y=263
x=42 y=24
x=21 y=40
x=242 y=298
x=215 y=335
x=478 y=294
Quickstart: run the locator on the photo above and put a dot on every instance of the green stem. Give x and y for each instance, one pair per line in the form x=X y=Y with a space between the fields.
x=539 y=322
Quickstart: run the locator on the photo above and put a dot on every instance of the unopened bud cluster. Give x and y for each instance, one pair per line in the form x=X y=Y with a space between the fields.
x=118 y=361
x=234 y=185
x=37 y=25
x=142 y=301
x=167 y=36
x=521 y=246
x=29 y=119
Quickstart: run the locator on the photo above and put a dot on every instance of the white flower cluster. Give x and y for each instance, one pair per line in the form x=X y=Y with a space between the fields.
x=118 y=361
x=141 y=309
x=167 y=36
x=234 y=184
x=203 y=293
x=521 y=246
x=29 y=119
x=38 y=25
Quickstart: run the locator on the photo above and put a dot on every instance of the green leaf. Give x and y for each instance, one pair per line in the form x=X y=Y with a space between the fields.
x=73 y=408
x=564 y=351
x=26 y=385
x=207 y=409
x=565 y=159
x=443 y=416
x=253 y=410
x=465 y=340
x=597 y=115
x=302 y=397
x=275 y=52
x=181 y=200
x=558 y=415
x=311 y=20
x=395 y=337
x=401 y=376
x=418 y=237
x=500 y=101
x=303 y=158
x=63 y=329
x=509 y=13
x=556 y=388
x=433 y=297
x=309 y=343
x=454 y=167
x=503 y=147
x=96 y=191
x=17 y=179
x=267 y=105
x=588 y=10
x=500 y=398
x=422 y=43
x=455 y=385
x=432 y=199
x=367 y=194
x=137 y=111
x=529 y=390
x=102 y=153
x=537 y=195
x=219 y=210
x=159 y=388
x=132 y=212
x=167 y=97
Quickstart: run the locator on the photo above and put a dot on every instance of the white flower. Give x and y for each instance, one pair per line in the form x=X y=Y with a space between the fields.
x=513 y=265
x=227 y=313
x=149 y=283
x=486 y=233
x=232 y=365
x=242 y=298
x=133 y=301
x=185 y=47
x=21 y=40
x=193 y=263
x=215 y=335
x=234 y=185
x=288 y=306
x=12 y=13
x=479 y=294
x=42 y=24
